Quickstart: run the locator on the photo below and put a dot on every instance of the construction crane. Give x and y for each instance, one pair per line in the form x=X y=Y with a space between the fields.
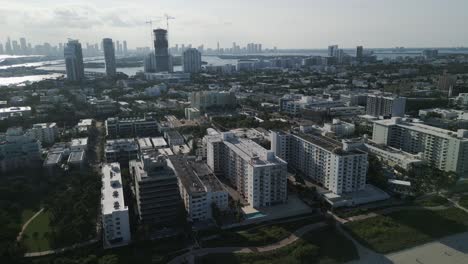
x=150 y=23
x=168 y=17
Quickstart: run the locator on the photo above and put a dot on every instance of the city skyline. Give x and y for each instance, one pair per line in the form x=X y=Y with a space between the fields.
x=357 y=22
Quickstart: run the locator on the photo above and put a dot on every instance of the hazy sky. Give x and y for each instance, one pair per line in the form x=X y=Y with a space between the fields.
x=281 y=23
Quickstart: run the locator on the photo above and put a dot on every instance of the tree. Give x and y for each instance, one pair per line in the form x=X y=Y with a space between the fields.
x=375 y=173
x=109 y=259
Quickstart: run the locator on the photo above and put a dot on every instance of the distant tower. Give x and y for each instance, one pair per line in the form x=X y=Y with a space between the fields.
x=333 y=51
x=1 y=48
x=359 y=52
x=125 y=50
x=192 y=61
x=109 y=56
x=161 y=50
x=8 y=49
x=23 y=45
x=117 y=47
x=74 y=60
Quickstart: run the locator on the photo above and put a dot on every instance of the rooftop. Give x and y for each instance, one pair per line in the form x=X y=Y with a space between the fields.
x=76 y=156
x=15 y=109
x=159 y=142
x=195 y=176
x=112 y=192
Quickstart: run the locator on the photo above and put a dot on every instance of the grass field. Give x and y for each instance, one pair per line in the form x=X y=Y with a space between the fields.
x=320 y=246
x=434 y=200
x=36 y=236
x=408 y=228
x=258 y=236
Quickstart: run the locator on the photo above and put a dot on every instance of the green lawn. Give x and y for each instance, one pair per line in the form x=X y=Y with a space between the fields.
x=36 y=236
x=258 y=236
x=321 y=246
x=408 y=228
x=434 y=200
x=26 y=214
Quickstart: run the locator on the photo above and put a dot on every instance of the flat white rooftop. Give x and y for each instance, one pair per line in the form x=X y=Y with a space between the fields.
x=112 y=192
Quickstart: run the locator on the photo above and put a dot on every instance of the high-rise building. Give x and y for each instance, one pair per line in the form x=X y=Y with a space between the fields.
x=156 y=190
x=74 y=60
x=1 y=48
x=256 y=173
x=16 y=47
x=199 y=188
x=23 y=46
x=379 y=105
x=192 y=60
x=359 y=52
x=115 y=220
x=8 y=49
x=441 y=148
x=125 y=48
x=323 y=160
x=149 y=63
x=109 y=57
x=117 y=47
x=161 y=50
x=333 y=51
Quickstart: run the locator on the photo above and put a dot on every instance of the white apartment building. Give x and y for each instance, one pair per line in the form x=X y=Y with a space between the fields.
x=199 y=188
x=18 y=150
x=257 y=174
x=115 y=221
x=47 y=133
x=204 y=99
x=8 y=112
x=442 y=148
x=192 y=113
x=338 y=168
x=192 y=60
x=379 y=105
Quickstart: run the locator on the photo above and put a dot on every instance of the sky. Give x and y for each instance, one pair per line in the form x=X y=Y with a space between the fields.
x=294 y=24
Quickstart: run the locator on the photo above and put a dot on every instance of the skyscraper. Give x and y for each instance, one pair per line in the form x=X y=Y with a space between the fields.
x=1 y=48
x=109 y=56
x=125 y=48
x=161 y=50
x=359 y=52
x=23 y=45
x=192 y=61
x=117 y=47
x=8 y=49
x=332 y=51
x=74 y=60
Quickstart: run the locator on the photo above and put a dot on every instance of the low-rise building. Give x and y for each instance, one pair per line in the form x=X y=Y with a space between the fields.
x=23 y=111
x=122 y=150
x=47 y=133
x=192 y=113
x=174 y=138
x=126 y=127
